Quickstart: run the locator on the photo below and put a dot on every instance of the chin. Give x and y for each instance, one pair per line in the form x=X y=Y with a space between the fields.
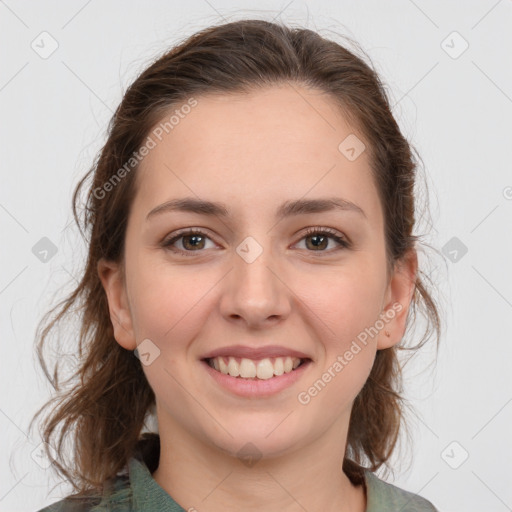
x=256 y=441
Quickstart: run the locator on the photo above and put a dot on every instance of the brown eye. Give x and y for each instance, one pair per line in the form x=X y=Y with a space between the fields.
x=317 y=240
x=191 y=241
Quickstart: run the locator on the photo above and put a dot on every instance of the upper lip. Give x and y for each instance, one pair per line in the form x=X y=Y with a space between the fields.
x=255 y=353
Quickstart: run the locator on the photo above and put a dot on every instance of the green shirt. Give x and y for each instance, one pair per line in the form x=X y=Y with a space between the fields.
x=139 y=491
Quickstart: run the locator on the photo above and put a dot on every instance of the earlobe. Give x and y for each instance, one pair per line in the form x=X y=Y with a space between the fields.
x=110 y=274
x=399 y=297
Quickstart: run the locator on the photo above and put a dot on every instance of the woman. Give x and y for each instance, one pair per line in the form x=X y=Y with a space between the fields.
x=251 y=219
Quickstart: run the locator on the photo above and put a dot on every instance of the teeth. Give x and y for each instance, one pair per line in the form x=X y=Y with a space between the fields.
x=248 y=369
x=264 y=370
x=233 y=368
x=223 y=366
x=279 y=366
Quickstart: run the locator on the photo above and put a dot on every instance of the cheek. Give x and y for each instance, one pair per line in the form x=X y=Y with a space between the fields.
x=166 y=303
x=346 y=310
x=346 y=301
x=345 y=380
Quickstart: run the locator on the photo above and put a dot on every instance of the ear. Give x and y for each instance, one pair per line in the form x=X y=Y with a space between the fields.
x=399 y=295
x=112 y=279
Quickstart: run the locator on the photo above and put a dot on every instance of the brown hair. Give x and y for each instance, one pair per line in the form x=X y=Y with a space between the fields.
x=103 y=407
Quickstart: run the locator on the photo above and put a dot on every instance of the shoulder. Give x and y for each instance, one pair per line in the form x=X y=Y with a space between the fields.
x=117 y=495
x=121 y=492
x=383 y=497
x=71 y=504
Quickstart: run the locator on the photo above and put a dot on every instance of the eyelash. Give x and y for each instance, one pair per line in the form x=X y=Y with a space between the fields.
x=344 y=243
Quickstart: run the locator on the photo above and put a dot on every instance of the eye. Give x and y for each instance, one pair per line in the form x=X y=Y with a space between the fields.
x=192 y=240
x=319 y=239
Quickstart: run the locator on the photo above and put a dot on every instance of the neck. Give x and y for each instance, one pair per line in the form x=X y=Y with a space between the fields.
x=202 y=477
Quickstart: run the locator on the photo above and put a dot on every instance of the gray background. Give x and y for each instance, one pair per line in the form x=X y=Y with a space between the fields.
x=454 y=105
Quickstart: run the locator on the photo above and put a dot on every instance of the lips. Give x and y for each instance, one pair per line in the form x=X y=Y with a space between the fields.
x=263 y=385
x=246 y=352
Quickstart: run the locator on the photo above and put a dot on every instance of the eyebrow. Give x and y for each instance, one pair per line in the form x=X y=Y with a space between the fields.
x=287 y=209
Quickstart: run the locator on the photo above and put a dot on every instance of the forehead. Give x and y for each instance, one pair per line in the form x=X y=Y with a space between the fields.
x=262 y=145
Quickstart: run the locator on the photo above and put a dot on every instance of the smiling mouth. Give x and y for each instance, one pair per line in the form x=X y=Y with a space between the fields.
x=262 y=369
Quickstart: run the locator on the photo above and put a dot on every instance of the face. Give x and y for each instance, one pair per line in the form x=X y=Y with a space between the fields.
x=260 y=277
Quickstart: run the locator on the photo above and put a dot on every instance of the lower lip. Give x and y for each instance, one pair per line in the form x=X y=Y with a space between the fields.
x=257 y=388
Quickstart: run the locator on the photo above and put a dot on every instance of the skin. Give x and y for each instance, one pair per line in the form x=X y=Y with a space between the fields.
x=253 y=152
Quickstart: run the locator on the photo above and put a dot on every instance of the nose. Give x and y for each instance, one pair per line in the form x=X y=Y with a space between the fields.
x=256 y=293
